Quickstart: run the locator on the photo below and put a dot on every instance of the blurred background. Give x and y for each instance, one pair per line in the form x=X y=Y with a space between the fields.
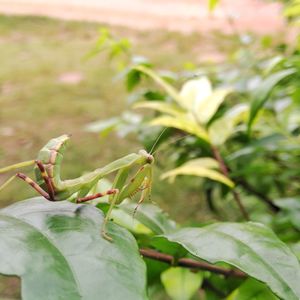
x=53 y=82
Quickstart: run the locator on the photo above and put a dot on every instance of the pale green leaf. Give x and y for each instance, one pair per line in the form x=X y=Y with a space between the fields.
x=252 y=289
x=160 y=106
x=224 y=127
x=172 y=92
x=251 y=247
x=195 y=91
x=185 y=124
x=198 y=170
x=212 y=4
x=205 y=108
x=181 y=283
x=204 y=162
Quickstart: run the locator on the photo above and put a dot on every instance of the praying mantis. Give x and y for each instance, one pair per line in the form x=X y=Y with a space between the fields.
x=50 y=185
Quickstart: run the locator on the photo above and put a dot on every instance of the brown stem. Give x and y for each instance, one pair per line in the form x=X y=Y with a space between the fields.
x=260 y=195
x=191 y=263
x=225 y=172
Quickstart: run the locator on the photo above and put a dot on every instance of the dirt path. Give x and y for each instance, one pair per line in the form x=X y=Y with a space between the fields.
x=177 y=15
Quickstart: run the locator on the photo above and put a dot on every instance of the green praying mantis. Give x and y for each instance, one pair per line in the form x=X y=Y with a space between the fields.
x=50 y=185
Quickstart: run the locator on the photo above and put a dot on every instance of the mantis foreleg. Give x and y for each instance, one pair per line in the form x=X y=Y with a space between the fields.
x=140 y=182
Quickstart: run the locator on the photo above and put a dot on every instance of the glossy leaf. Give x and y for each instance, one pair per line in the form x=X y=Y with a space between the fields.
x=181 y=283
x=252 y=290
x=264 y=90
x=251 y=247
x=201 y=167
x=183 y=124
x=57 y=250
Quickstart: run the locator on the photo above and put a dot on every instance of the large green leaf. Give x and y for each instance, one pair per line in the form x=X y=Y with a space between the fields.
x=264 y=90
x=201 y=167
x=251 y=247
x=185 y=124
x=57 y=250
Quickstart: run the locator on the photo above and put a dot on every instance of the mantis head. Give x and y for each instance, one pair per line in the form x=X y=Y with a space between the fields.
x=148 y=157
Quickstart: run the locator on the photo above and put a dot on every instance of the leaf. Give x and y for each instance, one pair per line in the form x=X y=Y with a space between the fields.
x=263 y=92
x=252 y=290
x=181 y=123
x=200 y=167
x=291 y=206
x=224 y=127
x=57 y=250
x=172 y=92
x=206 y=108
x=251 y=247
x=212 y=4
x=195 y=91
x=180 y=283
x=151 y=216
x=132 y=79
x=162 y=107
x=104 y=127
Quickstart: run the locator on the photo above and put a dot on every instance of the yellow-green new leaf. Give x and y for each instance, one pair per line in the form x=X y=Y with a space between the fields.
x=182 y=123
x=173 y=93
x=204 y=162
x=223 y=128
x=206 y=107
x=197 y=170
x=160 y=106
x=195 y=90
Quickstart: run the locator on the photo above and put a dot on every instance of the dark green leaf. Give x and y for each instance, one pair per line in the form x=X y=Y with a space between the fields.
x=57 y=250
x=291 y=206
x=264 y=90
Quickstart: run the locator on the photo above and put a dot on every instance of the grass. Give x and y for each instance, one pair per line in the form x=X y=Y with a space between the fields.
x=36 y=105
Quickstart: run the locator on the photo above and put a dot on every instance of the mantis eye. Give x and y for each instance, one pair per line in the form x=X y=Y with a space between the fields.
x=149 y=157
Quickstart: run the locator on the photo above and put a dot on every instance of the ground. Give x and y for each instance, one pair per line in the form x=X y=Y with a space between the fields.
x=179 y=15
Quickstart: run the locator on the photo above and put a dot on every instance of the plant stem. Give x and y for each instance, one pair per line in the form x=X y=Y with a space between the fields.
x=190 y=263
x=260 y=195
x=225 y=172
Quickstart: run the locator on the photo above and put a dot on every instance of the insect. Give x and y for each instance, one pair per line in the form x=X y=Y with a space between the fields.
x=50 y=185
